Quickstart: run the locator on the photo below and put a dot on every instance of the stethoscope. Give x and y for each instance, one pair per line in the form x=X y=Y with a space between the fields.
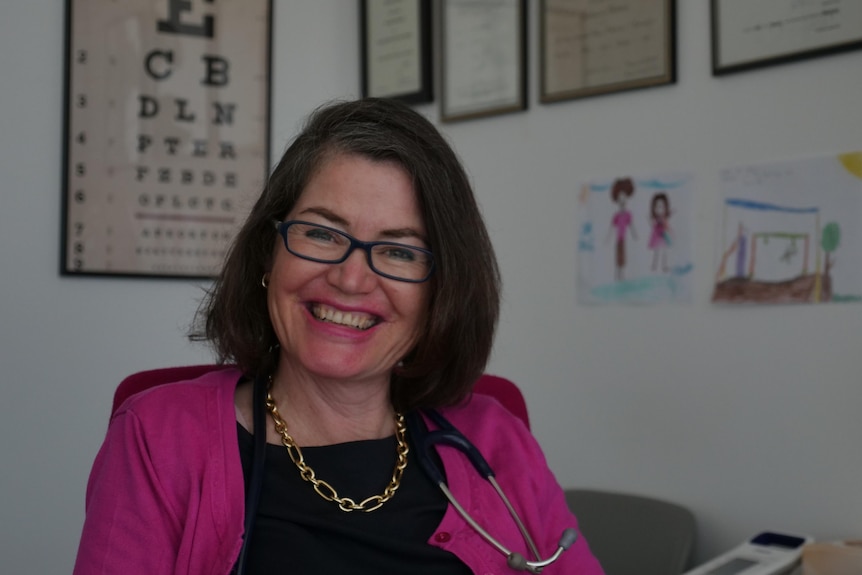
x=425 y=440
x=448 y=434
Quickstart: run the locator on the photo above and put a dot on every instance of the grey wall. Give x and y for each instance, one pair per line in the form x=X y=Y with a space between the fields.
x=749 y=416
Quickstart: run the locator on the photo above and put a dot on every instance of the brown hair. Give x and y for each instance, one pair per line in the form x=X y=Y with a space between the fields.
x=622 y=186
x=660 y=196
x=458 y=332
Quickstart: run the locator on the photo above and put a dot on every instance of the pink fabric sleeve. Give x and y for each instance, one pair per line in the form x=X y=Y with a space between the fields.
x=549 y=513
x=131 y=527
x=165 y=494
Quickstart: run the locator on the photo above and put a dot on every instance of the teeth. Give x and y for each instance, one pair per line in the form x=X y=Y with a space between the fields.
x=356 y=320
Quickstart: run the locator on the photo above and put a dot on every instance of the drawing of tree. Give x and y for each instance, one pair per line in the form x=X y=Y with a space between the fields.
x=829 y=241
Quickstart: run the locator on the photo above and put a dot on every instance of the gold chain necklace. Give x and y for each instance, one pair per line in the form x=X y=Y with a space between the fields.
x=323 y=488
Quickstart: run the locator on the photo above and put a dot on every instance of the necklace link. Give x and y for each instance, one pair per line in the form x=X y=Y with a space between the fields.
x=324 y=489
x=376 y=500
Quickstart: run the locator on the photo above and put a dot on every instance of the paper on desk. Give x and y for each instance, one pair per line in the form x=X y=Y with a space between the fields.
x=836 y=558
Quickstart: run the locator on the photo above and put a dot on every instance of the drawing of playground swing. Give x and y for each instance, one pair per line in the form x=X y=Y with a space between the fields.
x=776 y=254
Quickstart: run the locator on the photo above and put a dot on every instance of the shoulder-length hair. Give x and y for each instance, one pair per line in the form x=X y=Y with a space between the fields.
x=461 y=318
x=653 y=205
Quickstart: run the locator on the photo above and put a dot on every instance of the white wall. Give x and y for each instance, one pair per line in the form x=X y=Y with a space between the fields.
x=751 y=417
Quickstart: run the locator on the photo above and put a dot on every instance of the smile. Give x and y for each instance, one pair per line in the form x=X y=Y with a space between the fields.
x=357 y=320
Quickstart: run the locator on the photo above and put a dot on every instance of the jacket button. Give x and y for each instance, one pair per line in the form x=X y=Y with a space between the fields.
x=442 y=537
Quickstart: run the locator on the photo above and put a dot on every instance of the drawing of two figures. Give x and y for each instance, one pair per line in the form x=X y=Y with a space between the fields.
x=622 y=222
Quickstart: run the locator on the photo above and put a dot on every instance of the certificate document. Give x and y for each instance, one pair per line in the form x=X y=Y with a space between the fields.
x=755 y=31
x=593 y=46
x=393 y=46
x=483 y=56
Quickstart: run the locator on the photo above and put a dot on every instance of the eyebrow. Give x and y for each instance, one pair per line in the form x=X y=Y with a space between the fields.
x=334 y=218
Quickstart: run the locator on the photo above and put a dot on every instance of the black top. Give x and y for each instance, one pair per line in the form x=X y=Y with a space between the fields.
x=298 y=532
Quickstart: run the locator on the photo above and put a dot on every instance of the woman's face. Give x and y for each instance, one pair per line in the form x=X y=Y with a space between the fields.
x=373 y=321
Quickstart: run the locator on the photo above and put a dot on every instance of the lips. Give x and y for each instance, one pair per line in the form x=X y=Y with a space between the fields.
x=354 y=319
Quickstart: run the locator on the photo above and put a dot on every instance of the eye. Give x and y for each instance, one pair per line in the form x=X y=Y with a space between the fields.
x=399 y=254
x=321 y=235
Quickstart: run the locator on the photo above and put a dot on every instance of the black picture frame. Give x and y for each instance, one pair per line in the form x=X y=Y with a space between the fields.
x=483 y=59
x=396 y=50
x=779 y=32
x=166 y=133
x=590 y=48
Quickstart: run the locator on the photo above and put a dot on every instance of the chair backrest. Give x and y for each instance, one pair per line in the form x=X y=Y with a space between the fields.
x=504 y=390
x=142 y=380
x=633 y=534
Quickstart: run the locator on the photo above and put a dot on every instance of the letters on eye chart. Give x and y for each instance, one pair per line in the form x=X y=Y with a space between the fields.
x=167 y=132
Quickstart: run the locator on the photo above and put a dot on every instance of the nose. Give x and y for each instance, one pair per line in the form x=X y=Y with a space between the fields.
x=353 y=275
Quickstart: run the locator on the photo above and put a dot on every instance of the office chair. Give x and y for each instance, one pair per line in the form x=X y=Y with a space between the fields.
x=506 y=392
x=500 y=388
x=632 y=534
x=142 y=380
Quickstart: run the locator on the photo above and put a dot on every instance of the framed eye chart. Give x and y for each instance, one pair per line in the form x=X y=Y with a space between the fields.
x=167 y=107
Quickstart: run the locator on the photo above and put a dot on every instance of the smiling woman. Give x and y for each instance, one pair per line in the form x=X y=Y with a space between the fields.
x=401 y=148
x=358 y=304
x=374 y=200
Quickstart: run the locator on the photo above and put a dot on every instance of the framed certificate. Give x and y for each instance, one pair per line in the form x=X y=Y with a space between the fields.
x=396 y=50
x=748 y=34
x=591 y=47
x=167 y=107
x=484 y=58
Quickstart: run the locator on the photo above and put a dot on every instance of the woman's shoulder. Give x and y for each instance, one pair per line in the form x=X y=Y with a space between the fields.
x=483 y=417
x=212 y=390
x=501 y=436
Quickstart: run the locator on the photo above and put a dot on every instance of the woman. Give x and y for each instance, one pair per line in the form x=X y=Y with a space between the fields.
x=660 y=236
x=621 y=191
x=362 y=289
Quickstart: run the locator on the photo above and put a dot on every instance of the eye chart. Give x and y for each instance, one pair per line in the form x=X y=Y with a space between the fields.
x=167 y=132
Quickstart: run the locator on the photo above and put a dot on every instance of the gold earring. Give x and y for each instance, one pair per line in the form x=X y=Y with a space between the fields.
x=264 y=281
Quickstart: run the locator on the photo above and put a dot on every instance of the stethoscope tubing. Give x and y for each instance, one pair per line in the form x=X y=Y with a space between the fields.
x=255 y=486
x=448 y=434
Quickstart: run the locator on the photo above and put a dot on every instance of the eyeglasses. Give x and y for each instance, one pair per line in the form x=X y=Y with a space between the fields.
x=327 y=245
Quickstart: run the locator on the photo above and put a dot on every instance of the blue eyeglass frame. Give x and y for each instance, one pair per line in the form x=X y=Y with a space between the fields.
x=282 y=226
